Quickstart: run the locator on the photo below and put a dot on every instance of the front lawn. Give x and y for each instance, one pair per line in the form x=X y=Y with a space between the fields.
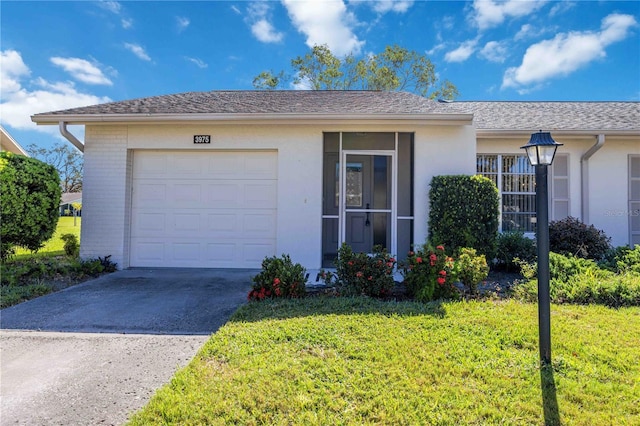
x=359 y=361
x=55 y=246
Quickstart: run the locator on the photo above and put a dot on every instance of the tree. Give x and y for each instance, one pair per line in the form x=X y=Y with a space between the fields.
x=29 y=201
x=67 y=161
x=395 y=68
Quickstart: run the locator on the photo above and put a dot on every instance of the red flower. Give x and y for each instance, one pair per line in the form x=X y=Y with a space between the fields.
x=276 y=281
x=350 y=263
x=418 y=260
x=433 y=257
x=441 y=280
x=392 y=259
x=278 y=292
x=443 y=273
x=370 y=278
x=411 y=253
x=440 y=248
x=359 y=274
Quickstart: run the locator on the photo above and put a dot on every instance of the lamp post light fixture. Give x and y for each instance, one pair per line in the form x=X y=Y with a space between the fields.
x=541 y=149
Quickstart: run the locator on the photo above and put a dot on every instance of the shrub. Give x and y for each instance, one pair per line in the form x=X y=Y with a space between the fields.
x=622 y=259
x=561 y=267
x=471 y=268
x=429 y=274
x=29 y=200
x=464 y=212
x=363 y=274
x=571 y=236
x=279 y=277
x=511 y=246
x=71 y=245
x=605 y=288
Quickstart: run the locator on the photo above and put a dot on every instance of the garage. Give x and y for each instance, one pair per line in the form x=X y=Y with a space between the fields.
x=209 y=209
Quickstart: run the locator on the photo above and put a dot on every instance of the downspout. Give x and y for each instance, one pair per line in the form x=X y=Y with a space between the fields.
x=584 y=173
x=71 y=138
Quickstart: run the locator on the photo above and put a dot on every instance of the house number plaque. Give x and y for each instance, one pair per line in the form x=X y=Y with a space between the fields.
x=201 y=138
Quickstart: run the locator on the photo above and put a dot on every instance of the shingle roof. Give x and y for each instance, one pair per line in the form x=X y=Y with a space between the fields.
x=488 y=116
x=269 y=102
x=550 y=116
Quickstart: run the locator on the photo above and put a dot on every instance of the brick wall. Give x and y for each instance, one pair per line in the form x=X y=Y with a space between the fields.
x=104 y=204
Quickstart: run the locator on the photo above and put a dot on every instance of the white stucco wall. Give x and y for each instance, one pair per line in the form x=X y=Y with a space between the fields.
x=439 y=149
x=609 y=188
x=607 y=177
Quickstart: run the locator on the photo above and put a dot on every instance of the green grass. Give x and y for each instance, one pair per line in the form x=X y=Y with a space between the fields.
x=320 y=361
x=53 y=247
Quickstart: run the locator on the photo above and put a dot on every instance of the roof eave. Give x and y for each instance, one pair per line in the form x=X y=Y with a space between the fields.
x=435 y=118
x=506 y=133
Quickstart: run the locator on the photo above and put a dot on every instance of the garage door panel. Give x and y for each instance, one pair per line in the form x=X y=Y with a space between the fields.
x=194 y=209
x=260 y=195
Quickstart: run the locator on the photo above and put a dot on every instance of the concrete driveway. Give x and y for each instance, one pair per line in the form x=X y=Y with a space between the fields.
x=95 y=353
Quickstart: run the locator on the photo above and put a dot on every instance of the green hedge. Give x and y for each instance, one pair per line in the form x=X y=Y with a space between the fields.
x=464 y=213
x=29 y=196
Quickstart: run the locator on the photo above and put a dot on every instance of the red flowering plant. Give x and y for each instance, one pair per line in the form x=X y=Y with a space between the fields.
x=279 y=277
x=429 y=274
x=363 y=273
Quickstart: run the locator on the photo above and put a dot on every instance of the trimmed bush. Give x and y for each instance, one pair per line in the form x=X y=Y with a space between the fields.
x=363 y=274
x=71 y=245
x=471 y=268
x=511 y=246
x=464 y=212
x=29 y=200
x=279 y=277
x=571 y=236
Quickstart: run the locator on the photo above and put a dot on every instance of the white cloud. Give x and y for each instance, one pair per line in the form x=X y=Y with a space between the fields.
x=567 y=52
x=561 y=7
x=199 y=62
x=436 y=48
x=494 y=51
x=258 y=18
x=18 y=102
x=82 y=70
x=182 y=23
x=265 y=32
x=126 y=23
x=111 y=6
x=325 y=22
x=490 y=13
x=137 y=50
x=461 y=53
x=384 y=6
x=12 y=68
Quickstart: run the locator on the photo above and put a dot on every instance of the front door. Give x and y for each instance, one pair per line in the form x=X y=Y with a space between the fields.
x=367 y=204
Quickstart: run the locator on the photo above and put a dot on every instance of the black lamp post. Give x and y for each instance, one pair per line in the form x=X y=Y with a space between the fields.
x=541 y=149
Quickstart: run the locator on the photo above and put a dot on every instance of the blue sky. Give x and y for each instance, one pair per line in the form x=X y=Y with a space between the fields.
x=63 y=54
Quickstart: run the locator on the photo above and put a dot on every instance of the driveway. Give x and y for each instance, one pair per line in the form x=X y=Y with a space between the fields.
x=95 y=353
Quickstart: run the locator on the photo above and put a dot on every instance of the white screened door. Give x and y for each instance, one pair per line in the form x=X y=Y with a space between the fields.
x=203 y=209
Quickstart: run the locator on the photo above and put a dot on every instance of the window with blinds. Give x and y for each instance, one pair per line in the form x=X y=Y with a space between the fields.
x=515 y=179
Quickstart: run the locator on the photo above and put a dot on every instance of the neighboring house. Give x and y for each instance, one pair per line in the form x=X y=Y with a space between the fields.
x=66 y=203
x=7 y=143
x=223 y=179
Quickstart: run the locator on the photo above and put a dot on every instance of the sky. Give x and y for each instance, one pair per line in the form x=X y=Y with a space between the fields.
x=62 y=54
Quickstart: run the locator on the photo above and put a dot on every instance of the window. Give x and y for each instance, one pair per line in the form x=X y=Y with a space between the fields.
x=515 y=179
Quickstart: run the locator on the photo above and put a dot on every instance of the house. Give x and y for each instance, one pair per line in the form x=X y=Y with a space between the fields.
x=7 y=143
x=66 y=203
x=225 y=178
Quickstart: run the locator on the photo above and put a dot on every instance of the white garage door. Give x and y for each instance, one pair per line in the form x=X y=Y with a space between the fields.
x=203 y=209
